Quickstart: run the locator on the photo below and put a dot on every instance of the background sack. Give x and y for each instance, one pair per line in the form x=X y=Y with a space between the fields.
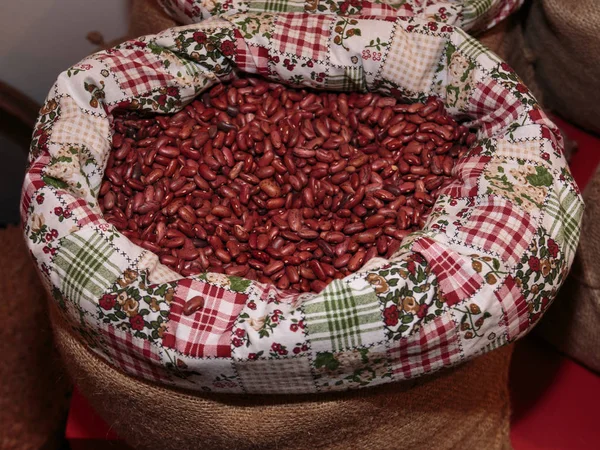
x=572 y=324
x=465 y=407
x=34 y=388
x=148 y=17
x=559 y=44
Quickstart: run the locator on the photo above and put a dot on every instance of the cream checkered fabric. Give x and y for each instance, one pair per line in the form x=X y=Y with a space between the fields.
x=411 y=60
x=157 y=273
x=522 y=150
x=81 y=129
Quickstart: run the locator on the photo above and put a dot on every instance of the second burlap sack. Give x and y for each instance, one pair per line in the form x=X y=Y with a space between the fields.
x=34 y=388
x=466 y=407
x=558 y=44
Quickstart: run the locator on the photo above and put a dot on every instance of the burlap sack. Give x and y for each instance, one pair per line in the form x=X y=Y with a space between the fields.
x=408 y=415
x=573 y=323
x=34 y=389
x=561 y=43
x=415 y=415
x=466 y=407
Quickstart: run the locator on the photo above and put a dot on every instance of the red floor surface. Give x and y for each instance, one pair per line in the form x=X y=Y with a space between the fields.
x=585 y=160
x=555 y=401
x=86 y=430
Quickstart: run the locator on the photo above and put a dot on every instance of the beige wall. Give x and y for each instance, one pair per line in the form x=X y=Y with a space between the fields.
x=41 y=38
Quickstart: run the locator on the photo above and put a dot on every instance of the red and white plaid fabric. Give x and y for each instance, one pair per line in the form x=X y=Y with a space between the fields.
x=493 y=106
x=251 y=58
x=467 y=171
x=206 y=340
x=133 y=355
x=507 y=7
x=381 y=10
x=457 y=279
x=435 y=345
x=514 y=306
x=207 y=332
x=243 y=57
x=33 y=182
x=539 y=117
x=82 y=212
x=500 y=228
x=549 y=130
x=138 y=71
x=302 y=35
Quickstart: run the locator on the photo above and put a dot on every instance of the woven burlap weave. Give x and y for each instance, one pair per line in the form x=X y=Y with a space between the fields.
x=34 y=389
x=466 y=407
x=148 y=17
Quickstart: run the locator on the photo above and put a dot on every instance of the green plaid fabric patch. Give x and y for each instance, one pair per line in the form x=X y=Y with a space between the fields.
x=342 y=318
x=562 y=218
x=276 y=6
x=353 y=79
x=472 y=48
x=476 y=8
x=84 y=267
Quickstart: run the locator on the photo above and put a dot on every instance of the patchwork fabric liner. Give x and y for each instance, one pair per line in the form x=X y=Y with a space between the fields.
x=496 y=248
x=474 y=15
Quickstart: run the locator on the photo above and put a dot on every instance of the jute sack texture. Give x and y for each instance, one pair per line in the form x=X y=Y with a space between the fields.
x=572 y=324
x=148 y=17
x=465 y=407
x=34 y=388
x=561 y=42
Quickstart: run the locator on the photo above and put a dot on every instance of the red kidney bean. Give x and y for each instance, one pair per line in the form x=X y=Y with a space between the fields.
x=193 y=305
x=237 y=270
x=354 y=228
x=342 y=261
x=292 y=274
x=307 y=233
x=274 y=266
x=356 y=261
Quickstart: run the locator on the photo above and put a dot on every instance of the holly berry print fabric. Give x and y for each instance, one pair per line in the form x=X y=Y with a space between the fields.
x=489 y=261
